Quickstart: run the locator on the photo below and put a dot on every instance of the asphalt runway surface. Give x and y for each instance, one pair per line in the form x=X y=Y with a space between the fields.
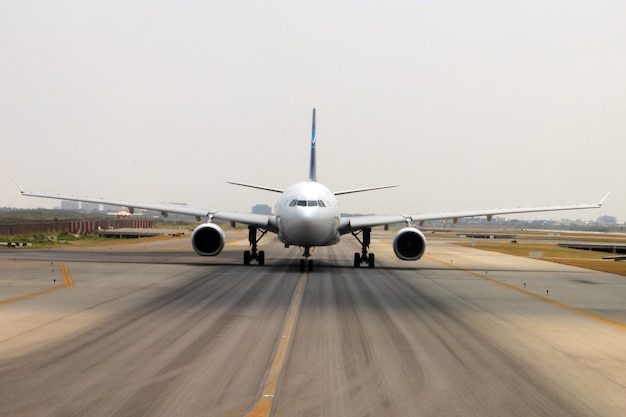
x=151 y=329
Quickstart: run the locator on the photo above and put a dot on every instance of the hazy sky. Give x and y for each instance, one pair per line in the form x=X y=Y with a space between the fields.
x=464 y=104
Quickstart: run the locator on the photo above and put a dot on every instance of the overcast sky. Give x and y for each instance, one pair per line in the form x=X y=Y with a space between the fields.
x=464 y=104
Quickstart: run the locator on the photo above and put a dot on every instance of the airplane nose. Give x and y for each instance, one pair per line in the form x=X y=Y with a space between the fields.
x=307 y=229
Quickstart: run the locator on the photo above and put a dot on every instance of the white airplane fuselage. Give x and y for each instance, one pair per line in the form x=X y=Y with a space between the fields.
x=308 y=214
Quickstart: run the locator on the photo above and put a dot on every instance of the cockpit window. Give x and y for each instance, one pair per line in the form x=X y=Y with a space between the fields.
x=307 y=203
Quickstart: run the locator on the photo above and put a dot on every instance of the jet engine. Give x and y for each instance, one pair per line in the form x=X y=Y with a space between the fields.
x=208 y=239
x=409 y=244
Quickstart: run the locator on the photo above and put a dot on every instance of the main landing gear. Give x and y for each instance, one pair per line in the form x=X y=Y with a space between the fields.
x=306 y=263
x=253 y=255
x=363 y=257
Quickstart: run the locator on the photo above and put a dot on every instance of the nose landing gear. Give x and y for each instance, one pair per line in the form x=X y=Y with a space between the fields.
x=306 y=263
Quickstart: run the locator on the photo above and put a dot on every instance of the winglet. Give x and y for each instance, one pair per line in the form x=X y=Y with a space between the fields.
x=312 y=166
x=605 y=197
x=18 y=186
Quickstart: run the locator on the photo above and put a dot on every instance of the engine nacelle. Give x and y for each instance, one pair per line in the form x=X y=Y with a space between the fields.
x=208 y=239
x=409 y=244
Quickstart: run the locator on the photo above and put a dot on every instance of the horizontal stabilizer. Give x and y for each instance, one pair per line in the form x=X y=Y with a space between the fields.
x=360 y=190
x=258 y=187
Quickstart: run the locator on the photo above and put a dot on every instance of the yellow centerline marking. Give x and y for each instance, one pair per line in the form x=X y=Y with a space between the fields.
x=532 y=294
x=264 y=404
x=67 y=282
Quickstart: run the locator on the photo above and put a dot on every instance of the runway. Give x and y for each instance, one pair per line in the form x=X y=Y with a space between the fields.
x=153 y=329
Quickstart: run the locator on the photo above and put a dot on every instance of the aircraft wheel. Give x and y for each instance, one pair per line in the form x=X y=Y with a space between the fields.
x=261 y=258
x=246 y=257
x=302 y=265
x=357 y=260
x=310 y=265
x=370 y=260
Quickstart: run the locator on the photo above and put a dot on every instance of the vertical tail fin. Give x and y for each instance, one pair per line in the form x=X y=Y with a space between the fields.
x=312 y=166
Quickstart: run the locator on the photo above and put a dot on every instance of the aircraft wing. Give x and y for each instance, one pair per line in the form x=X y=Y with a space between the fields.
x=354 y=223
x=261 y=220
x=489 y=213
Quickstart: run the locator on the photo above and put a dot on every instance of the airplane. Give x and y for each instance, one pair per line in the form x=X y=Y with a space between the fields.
x=308 y=215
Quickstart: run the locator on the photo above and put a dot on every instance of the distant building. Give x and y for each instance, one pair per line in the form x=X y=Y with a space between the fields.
x=89 y=206
x=70 y=205
x=262 y=209
x=607 y=220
